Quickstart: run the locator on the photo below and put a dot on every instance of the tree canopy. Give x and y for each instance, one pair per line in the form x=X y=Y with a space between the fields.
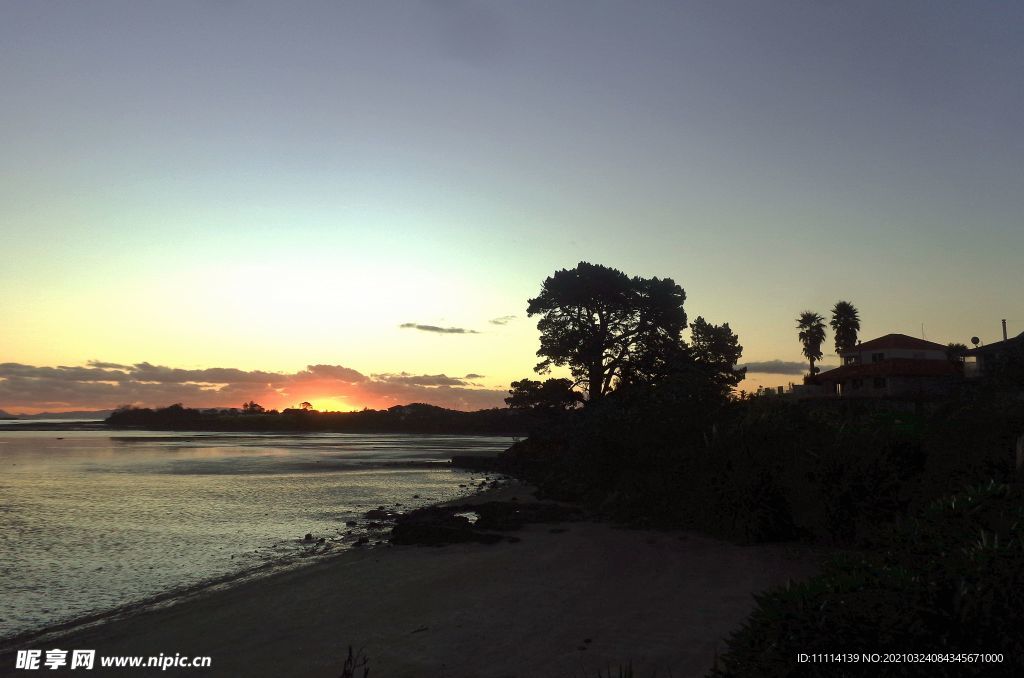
x=553 y=395
x=845 y=325
x=600 y=323
x=956 y=352
x=718 y=349
x=811 y=335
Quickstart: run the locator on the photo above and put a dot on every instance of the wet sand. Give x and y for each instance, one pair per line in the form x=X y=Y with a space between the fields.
x=661 y=600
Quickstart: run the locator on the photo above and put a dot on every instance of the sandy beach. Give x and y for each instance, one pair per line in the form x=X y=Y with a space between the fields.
x=565 y=600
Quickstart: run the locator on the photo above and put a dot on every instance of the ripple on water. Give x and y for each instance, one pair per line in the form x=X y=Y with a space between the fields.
x=94 y=523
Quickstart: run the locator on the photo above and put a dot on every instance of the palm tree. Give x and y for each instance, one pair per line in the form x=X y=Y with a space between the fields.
x=845 y=324
x=812 y=334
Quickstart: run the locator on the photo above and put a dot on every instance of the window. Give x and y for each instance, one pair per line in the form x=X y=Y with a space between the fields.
x=877 y=357
x=879 y=382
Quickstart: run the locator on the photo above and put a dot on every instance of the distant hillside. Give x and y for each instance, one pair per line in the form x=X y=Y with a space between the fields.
x=78 y=414
x=415 y=418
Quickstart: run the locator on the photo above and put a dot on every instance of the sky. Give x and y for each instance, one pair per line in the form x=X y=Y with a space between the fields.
x=209 y=202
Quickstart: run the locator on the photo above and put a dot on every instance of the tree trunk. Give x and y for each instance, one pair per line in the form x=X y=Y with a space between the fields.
x=596 y=385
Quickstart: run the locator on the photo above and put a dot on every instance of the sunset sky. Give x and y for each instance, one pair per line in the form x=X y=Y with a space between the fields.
x=209 y=202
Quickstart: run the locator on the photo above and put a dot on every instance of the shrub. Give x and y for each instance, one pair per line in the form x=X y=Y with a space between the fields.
x=950 y=580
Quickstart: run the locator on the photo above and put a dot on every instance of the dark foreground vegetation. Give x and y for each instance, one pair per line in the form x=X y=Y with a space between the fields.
x=415 y=418
x=922 y=501
x=926 y=510
x=771 y=469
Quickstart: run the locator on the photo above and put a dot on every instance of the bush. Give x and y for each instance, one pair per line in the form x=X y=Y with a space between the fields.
x=767 y=470
x=950 y=580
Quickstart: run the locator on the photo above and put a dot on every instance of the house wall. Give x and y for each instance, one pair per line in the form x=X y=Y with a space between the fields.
x=895 y=387
x=890 y=353
x=919 y=386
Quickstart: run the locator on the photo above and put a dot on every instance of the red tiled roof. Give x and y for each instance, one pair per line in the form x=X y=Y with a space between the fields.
x=897 y=341
x=897 y=367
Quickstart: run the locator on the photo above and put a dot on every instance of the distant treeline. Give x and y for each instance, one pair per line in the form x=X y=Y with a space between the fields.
x=414 y=418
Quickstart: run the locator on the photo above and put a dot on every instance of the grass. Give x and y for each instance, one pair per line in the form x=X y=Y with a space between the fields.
x=355 y=662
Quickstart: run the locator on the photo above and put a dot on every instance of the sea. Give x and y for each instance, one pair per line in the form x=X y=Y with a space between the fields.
x=97 y=520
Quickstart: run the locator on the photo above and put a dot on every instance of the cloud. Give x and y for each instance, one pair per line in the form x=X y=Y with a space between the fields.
x=781 y=367
x=435 y=328
x=29 y=388
x=61 y=373
x=101 y=364
x=473 y=375
x=213 y=375
x=777 y=367
x=338 y=372
x=502 y=320
x=421 y=380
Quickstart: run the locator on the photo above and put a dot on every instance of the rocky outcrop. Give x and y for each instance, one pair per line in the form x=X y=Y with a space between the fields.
x=439 y=525
x=435 y=526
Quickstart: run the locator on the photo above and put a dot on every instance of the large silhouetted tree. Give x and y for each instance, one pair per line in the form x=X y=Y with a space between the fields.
x=599 y=322
x=845 y=325
x=812 y=335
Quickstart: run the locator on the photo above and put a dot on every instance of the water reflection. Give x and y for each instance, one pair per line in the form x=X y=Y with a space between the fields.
x=90 y=522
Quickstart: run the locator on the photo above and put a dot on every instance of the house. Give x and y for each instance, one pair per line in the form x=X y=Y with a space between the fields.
x=893 y=366
x=992 y=358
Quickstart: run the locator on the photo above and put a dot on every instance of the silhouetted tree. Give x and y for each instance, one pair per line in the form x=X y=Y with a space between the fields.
x=812 y=335
x=956 y=352
x=252 y=407
x=550 y=396
x=305 y=405
x=845 y=325
x=599 y=322
x=718 y=349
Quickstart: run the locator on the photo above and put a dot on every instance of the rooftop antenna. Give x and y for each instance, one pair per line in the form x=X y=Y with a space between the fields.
x=922 y=331
x=1004 y=329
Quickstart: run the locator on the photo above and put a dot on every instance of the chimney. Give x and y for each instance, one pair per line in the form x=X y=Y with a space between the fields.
x=1004 y=329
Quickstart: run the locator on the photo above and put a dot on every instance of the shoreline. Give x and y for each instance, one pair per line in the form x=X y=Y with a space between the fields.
x=662 y=600
x=285 y=565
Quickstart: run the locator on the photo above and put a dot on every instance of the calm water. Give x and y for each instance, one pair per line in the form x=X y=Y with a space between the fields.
x=90 y=521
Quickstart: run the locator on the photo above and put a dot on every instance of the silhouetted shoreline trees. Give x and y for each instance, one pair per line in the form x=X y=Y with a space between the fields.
x=413 y=418
x=927 y=493
x=600 y=323
x=667 y=427
x=622 y=336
